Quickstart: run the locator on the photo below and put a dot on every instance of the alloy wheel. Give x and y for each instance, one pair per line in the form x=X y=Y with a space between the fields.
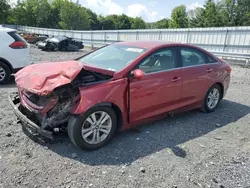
x=2 y=74
x=96 y=127
x=213 y=98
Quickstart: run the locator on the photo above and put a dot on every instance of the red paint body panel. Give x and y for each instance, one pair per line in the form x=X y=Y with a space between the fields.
x=196 y=81
x=114 y=92
x=43 y=78
x=141 y=100
x=155 y=94
x=151 y=46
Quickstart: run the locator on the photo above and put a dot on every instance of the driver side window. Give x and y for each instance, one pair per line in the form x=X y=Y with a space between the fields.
x=158 y=61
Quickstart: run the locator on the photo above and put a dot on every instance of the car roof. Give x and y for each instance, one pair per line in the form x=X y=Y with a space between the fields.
x=5 y=29
x=143 y=44
x=149 y=44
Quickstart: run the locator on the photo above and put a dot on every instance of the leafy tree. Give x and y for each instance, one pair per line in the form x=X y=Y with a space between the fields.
x=93 y=19
x=149 y=25
x=196 y=17
x=235 y=12
x=138 y=23
x=229 y=12
x=31 y=7
x=56 y=6
x=161 y=24
x=123 y=22
x=243 y=12
x=19 y=14
x=120 y=21
x=179 y=17
x=35 y=13
x=4 y=11
x=106 y=23
x=66 y=14
x=73 y=17
x=43 y=12
x=212 y=16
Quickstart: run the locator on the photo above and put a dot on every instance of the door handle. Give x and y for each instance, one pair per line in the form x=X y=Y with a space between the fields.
x=209 y=70
x=175 y=79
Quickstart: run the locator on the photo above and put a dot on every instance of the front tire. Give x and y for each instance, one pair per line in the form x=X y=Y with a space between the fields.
x=4 y=73
x=94 y=129
x=212 y=99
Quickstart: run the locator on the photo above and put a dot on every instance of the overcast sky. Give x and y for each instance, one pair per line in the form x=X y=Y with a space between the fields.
x=150 y=10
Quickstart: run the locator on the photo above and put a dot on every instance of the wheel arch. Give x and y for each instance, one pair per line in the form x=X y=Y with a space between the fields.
x=204 y=106
x=221 y=87
x=7 y=63
x=117 y=111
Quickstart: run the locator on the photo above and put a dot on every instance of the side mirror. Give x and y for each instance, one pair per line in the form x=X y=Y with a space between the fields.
x=138 y=74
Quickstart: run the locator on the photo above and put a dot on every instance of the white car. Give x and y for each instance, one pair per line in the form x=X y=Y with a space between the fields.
x=14 y=53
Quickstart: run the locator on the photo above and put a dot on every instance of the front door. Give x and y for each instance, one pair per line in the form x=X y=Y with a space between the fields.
x=160 y=89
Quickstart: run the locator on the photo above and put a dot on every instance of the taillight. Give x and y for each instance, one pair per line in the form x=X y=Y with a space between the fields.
x=18 y=45
x=229 y=69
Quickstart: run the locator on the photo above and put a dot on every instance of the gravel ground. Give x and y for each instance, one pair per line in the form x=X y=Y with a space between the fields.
x=192 y=149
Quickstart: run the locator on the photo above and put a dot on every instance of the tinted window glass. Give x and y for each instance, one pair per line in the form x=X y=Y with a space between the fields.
x=16 y=36
x=210 y=59
x=192 y=57
x=158 y=61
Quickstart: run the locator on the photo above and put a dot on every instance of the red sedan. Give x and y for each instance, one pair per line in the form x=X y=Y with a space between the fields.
x=117 y=87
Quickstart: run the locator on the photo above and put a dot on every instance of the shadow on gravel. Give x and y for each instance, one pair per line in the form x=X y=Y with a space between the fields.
x=128 y=146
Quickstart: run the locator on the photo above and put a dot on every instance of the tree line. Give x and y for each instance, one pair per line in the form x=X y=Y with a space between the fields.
x=65 y=14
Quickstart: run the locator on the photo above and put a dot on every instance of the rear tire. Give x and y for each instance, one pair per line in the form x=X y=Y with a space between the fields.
x=80 y=126
x=212 y=99
x=5 y=73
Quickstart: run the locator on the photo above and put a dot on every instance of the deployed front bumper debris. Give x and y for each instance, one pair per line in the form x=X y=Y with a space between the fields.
x=27 y=123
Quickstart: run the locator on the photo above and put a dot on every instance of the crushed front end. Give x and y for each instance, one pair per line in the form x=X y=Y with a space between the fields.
x=47 y=92
x=44 y=114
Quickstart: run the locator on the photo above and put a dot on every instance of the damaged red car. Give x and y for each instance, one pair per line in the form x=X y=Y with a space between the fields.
x=117 y=87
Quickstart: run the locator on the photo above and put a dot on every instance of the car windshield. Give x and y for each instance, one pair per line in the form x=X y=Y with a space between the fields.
x=113 y=57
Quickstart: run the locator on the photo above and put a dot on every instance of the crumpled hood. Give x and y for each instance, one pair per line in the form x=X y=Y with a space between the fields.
x=43 y=78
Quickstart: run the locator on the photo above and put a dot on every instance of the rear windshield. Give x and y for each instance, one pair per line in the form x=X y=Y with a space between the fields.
x=16 y=36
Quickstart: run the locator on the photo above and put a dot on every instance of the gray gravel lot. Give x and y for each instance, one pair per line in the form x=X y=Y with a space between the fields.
x=192 y=149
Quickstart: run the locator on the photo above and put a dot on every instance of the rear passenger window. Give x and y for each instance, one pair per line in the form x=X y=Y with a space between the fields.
x=192 y=57
x=210 y=59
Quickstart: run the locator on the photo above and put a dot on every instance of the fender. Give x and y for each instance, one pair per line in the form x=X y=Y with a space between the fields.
x=7 y=63
x=112 y=93
x=117 y=110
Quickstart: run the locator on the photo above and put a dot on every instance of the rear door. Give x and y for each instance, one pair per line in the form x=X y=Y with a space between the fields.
x=160 y=89
x=198 y=75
